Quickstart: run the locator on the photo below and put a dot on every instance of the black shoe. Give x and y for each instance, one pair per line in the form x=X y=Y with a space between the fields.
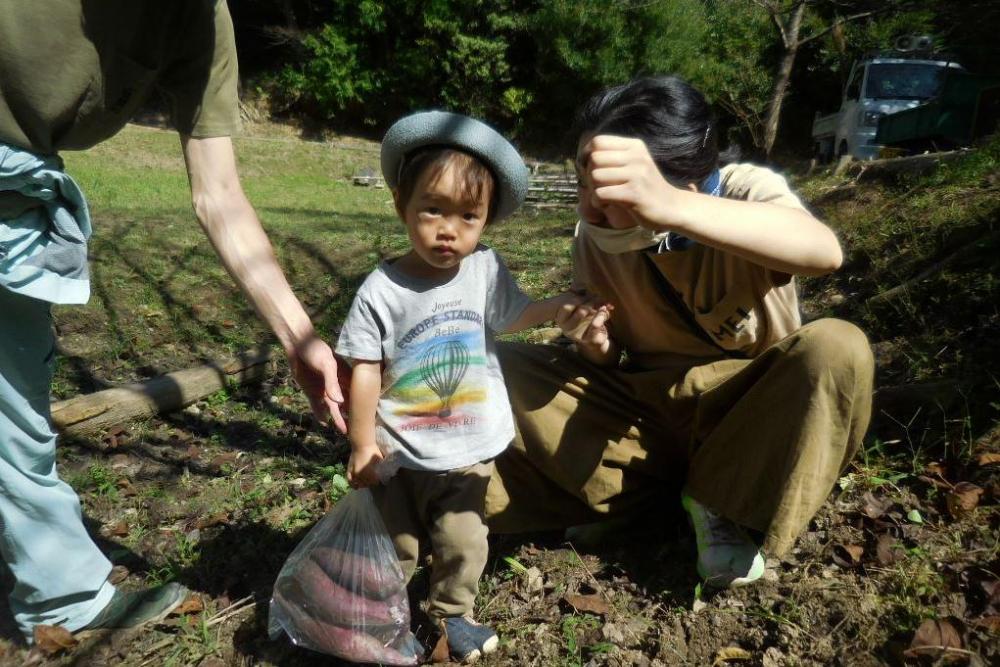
x=132 y=609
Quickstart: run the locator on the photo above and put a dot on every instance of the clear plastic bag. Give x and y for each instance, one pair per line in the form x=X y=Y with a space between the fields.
x=342 y=590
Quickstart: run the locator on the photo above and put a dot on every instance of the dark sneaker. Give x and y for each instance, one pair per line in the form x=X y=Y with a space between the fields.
x=132 y=609
x=727 y=556
x=468 y=640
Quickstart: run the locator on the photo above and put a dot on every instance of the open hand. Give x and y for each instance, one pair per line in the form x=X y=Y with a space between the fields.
x=315 y=369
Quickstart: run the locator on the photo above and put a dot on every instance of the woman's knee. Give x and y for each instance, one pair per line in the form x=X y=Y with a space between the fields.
x=831 y=345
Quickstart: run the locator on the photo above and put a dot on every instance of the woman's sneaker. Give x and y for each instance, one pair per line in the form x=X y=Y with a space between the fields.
x=727 y=556
x=468 y=640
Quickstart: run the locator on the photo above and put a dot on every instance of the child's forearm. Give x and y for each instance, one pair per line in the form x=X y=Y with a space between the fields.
x=538 y=312
x=366 y=384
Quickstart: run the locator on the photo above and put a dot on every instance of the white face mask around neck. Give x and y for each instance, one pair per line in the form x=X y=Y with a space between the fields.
x=616 y=241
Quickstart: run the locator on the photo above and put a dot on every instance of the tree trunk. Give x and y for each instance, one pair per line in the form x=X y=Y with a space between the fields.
x=790 y=37
x=92 y=414
x=288 y=11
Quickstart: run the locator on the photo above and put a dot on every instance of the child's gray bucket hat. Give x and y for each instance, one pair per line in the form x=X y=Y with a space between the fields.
x=440 y=128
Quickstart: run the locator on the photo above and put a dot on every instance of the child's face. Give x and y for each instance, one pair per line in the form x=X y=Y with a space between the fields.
x=444 y=223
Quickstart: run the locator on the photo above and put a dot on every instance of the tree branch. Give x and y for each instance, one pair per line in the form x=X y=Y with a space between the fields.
x=839 y=22
x=892 y=6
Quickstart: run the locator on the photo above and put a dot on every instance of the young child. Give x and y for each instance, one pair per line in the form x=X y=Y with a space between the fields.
x=428 y=405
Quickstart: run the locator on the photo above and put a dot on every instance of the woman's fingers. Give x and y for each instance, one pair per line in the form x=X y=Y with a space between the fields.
x=610 y=142
x=611 y=175
x=606 y=158
x=622 y=193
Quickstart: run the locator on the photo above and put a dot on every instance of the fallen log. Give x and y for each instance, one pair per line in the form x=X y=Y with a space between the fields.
x=891 y=169
x=92 y=414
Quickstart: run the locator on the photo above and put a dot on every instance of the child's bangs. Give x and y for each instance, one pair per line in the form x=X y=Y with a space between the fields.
x=475 y=180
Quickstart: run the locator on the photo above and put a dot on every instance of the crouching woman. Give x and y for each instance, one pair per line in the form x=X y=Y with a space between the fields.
x=691 y=372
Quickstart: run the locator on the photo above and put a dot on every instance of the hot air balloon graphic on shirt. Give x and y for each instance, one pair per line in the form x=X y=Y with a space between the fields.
x=442 y=368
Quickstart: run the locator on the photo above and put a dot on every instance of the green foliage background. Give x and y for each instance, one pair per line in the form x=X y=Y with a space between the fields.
x=525 y=65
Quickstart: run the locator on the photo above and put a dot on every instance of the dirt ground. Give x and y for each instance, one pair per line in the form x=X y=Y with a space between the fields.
x=218 y=495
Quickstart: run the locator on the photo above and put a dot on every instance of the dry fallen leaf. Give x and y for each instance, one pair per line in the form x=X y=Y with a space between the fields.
x=593 y=604
x=119 y=573
x=212 y=520
x=887 y=550
x=963 y=498
x=935 y=468
x=989 y=458
x=119 y=529
x=54 y=639
x=934 y=636
x=730 y=654
x=533 y=580
x=227 y=458
x=115 y=436
x=847 y=555
x=873 y=507
x=191 y=605
x=127 y=488
x=989 y=623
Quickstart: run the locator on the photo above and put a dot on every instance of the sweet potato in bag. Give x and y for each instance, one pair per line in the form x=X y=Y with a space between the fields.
x=352 y=571
x=348 y=643
x=342 y=591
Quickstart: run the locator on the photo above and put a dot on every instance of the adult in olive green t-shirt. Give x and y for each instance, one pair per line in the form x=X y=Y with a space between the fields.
x=72 y=72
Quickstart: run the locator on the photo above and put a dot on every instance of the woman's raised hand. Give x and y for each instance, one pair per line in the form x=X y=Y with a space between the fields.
x=621 y=172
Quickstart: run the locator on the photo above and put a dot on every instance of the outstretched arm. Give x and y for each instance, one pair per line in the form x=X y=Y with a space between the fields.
x=235 y=232
x=546 y=310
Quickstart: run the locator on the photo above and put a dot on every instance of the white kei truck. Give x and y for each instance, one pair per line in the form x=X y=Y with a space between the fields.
x=877 y=86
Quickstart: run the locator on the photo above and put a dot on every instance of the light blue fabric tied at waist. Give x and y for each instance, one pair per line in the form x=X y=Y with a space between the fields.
x=43 y=251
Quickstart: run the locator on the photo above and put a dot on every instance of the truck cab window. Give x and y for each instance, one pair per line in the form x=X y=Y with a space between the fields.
x=904 y=81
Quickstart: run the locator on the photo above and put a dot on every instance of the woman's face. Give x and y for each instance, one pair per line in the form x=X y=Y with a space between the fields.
x=607 y=216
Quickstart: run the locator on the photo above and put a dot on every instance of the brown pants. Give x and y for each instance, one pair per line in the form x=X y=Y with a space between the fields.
x=445 y=508
x=761 y=441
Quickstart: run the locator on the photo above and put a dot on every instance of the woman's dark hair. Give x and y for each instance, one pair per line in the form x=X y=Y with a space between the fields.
x=668 y=114
x=476 y=178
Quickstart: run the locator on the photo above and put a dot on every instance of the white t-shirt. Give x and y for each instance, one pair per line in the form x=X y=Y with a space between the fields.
x=443 y=403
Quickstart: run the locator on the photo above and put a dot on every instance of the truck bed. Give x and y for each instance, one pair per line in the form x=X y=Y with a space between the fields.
x=825 y=126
